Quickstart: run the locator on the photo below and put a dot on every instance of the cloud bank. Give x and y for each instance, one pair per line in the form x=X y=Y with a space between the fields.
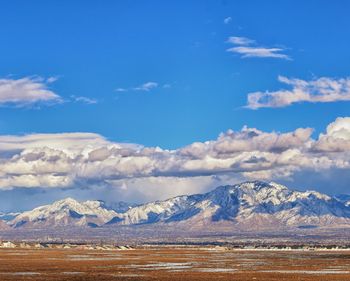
x=84 y=160
x=323 y=89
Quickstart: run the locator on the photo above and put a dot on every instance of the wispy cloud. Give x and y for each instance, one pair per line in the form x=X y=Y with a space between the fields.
x=259 y=52
x=27 y=91
x=247 y=48
x=85 y=100
x=146 y=86
x=121 y=90
x=324 y=89
x=240 y=40
x=52 y=79
x=227 y=20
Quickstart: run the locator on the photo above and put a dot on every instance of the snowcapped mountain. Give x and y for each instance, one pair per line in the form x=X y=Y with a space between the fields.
x=66 y=212
x=246 y=206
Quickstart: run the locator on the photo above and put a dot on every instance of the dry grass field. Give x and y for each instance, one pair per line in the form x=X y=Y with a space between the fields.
x=171 y=263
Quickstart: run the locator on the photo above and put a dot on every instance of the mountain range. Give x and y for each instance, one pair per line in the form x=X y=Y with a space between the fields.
x=245 y=206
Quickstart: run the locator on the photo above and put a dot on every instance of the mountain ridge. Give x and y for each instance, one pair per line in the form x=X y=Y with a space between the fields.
x=244 y=206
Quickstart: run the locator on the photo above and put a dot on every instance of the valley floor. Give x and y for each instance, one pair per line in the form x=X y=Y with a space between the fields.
x=173 y=263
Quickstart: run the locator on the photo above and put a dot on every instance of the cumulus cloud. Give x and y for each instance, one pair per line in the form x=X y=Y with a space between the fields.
x=323 y=89
x=85 y=160
x=254 y=140
x=160 y=188
x=27 y=91
x=247 y=48
x=336 y=138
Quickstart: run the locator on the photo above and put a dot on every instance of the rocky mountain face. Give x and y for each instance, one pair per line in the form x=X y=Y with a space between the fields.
x=246 y=206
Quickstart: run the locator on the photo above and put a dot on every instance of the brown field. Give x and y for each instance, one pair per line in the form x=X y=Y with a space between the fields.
x=173 y=263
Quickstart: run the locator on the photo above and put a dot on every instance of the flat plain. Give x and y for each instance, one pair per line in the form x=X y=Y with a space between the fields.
x=174 y=263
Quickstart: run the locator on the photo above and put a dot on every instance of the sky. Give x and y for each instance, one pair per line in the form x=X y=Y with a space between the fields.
x=144 y=100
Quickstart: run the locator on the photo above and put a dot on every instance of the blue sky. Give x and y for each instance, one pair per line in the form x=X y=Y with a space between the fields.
x=171 y=73
x=94 y=49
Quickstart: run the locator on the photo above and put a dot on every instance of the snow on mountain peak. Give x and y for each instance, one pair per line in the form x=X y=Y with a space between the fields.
x=66 y=210
x=248 y=204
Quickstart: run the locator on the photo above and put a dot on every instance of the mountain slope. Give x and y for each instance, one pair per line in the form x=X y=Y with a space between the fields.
x=246 y=206
x=3 y=225
x=66 y=212
x=344 y=198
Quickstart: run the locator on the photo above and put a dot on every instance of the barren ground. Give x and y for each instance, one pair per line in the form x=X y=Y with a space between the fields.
x=171 y=263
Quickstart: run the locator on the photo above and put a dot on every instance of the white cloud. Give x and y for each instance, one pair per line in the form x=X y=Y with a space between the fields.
x=160 y=188
x=121 y=90
x=87 y=159
x=240 y=40
x=259 y=52
x=337 y=137
x=248 y=49
x=85 y=100
x=27 y=91
x=52 y=79
x=324 y=89
x=227 y=20
x=66 y=142
x=146 y=86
